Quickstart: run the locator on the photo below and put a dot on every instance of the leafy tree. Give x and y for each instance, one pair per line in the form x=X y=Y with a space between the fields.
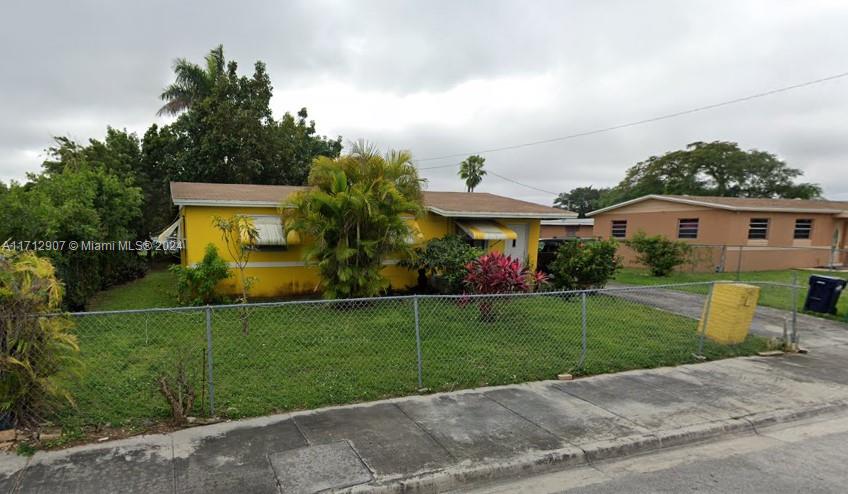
x=37 y=354
x=444 y=260
x=660 y=254
x=581 y=200
x=353 y=214
x=84 y=204
x=714 y=168
x=471 y=170
x=580 y=265
x=226 y=132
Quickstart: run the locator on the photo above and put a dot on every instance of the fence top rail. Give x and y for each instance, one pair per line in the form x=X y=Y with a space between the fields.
x=202 y=308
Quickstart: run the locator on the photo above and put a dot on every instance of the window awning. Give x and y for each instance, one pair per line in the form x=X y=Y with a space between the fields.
x=486 y=230
x=271 y=232
x=415 y=234
x=172 y=232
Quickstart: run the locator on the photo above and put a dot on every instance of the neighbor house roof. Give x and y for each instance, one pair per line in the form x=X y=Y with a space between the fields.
x=570 y=222
x=451 y=204
x=742 y=204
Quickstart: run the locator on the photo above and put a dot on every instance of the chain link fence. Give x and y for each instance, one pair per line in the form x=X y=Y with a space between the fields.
x=740 y=259
x=255 y=359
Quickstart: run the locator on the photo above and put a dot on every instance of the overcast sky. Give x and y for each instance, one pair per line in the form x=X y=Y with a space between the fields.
x=444 y=77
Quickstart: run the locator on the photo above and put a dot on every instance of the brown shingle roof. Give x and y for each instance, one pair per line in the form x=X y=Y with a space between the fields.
x=443 y=203
x=750 y=202
x=195 y=191
x=744 y=203
x=461 y=203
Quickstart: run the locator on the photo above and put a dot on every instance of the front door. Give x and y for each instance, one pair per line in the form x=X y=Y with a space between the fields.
x=517 y=249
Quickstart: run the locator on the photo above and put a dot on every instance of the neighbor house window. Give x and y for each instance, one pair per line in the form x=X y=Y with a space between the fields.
x=619 y=228
x=687 y=228
x=803 y=227
x=758 y=229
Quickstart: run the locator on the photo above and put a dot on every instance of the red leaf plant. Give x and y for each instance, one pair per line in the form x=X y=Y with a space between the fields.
x=496 y=273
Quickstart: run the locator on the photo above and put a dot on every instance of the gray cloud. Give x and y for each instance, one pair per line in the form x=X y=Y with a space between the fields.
x=442 y=77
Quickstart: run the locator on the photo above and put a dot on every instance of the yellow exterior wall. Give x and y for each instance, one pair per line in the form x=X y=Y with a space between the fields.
x=288 y=274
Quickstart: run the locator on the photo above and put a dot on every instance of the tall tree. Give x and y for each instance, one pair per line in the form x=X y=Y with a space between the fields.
x=228 y=134
x=471 y=170
x=581 y=200
x=193 y=83
x=713 y=168
x=354 y=216
x=85 y=202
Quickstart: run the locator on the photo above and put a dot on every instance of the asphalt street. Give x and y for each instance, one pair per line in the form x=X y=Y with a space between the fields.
x=809 y=457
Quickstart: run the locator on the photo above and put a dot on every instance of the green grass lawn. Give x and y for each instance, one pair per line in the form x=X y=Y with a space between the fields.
x=156 y=289
x=302 y=356
x=771 y=296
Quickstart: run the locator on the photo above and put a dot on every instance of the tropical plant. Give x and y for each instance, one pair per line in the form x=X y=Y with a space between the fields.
x=193 y=82
x=580 y=264
x=496 y=273
x=471 y=170
x=196 y=284
x=354 y=215
x=37 y=354
x=660 y=254
x=443 y=260
x=239 y=235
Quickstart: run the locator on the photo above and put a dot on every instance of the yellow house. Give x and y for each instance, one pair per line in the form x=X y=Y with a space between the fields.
x=492 y=222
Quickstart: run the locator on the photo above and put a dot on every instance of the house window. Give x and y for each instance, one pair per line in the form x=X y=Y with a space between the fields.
x=619 y=228
x=758 y=229
x=687 y=228
x=803 y=227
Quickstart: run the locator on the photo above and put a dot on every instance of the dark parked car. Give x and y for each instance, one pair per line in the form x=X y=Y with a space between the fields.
x=548 y=248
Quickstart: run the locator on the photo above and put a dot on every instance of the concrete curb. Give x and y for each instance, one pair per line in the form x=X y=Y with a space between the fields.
x=534 y=462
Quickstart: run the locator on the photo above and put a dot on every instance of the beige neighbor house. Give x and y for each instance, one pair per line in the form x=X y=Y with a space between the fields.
x=567 y=228
x=735 y=233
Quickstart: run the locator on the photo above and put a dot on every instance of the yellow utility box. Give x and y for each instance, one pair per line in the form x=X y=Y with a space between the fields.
x=731 y=307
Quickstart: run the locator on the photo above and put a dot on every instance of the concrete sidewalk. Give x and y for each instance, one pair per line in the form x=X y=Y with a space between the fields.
x=443 y=441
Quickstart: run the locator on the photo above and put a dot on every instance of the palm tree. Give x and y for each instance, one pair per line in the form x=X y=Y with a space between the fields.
x=354 y=212
x=193 y=82
x=471 y=170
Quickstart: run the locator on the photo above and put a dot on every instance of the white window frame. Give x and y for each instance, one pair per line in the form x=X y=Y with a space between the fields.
x=619 y=226
x=687 y=228
x=762 y=225
x=808 y=228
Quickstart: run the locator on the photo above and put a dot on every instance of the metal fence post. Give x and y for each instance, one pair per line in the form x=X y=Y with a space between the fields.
x=739 y=262
x=706 y=319
x=583 y=333
x=795 y=307
x=209 y=361
x=418 y=340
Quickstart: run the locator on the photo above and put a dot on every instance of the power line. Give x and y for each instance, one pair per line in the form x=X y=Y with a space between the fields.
x=635 y=123
x=489 y=172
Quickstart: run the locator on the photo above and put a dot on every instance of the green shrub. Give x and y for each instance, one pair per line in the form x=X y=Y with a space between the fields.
x=581 y=265
x=38 y=355
x=443 y=261
x=660 y=254
x=196 y=285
